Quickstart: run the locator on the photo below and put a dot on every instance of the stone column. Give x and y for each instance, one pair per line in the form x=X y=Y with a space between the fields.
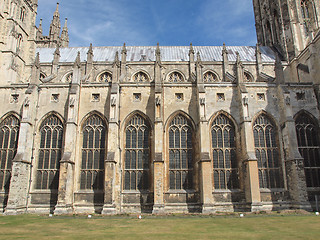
x=158 y=163
x=248 y=157
x=66 y=172
x=22 y=163
x=112 y=186
x=294 y=164
x=205 y=164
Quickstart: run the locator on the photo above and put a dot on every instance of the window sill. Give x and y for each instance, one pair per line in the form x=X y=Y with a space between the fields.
x=191 y=191
x=227 y=190
x=271 y=190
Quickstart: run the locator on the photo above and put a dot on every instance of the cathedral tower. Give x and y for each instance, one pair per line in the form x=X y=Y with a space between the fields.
x=17 y=34
x=286 y=25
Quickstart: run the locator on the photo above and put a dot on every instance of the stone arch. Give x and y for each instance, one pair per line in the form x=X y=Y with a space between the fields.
x=104 y=76
x=215 y=75
x=178 y=72
x=141 y=76
x=67 y=77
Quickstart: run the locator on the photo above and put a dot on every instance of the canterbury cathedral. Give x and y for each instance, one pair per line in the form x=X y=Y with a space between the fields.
x=160 y=129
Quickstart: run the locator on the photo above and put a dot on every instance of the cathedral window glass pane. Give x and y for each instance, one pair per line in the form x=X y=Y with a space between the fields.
x=267 y=153
x=93 y=153
x=308 y=143
x=137 y=151
x=9 y=132
x=180 y=154
x=51 y=135
x=225 y=171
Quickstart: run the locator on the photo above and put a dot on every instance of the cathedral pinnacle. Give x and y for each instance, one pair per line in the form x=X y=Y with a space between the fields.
x=124 y=49
x=64 y=35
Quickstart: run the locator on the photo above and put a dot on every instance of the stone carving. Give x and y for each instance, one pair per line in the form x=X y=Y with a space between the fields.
x=202 y=101
x=288 y=100
x=245 y=101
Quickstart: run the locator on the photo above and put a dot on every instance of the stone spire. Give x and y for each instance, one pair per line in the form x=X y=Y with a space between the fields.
x=191 y=53
x=158 y=54
x=225 y=61
x=39 y=31
x=55 y=26
x=64 y=39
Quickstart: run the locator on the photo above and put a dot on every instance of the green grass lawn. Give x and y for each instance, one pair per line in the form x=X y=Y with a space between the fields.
x=275 y=226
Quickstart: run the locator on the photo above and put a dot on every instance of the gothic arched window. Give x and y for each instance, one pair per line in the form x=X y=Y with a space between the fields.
x=175 y=77
x=308 y=142
x=105 y=77
x=50 y=150
x=9 y=132
x=137 y=154
x=307 y=14
x=180 y=153
x=93 y=153
x=267 y=153
x=210 y=77
x=225 y=172
x=140 y=77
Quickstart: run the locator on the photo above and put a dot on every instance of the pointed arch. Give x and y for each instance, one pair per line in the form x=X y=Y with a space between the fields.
x=93 y=151
x=267 y=151
x=180 y=151
x=50 y=151
x=224 y=157
x=137 y=152
x=176 y=76
x=307 y=130
x=9 y=134
x=141 y=76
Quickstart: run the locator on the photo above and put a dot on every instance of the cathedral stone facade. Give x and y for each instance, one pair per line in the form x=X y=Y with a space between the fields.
x=160 y=129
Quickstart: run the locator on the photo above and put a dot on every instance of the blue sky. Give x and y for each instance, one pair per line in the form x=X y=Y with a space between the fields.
x=146 y=22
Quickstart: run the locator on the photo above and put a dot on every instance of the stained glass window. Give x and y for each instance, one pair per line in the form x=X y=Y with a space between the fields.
x=137 y=154
x=308 y=142
x=93 y=153
x=225 y=172
x=180 y=154
x=267 y=153
x=51 y=137
x=9 y=132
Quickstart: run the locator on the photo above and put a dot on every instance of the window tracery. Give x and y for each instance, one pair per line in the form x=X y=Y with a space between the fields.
x=93 y=154
x=140 y=77
x=307 y=14
x=248 y=77
x=180 y=154
x=50 y=150
x=105 y=77
x=308 y=143
x=137 y=154
x=225 y=172
x=267 y=153
x=175 y=77
x=9 y=133
x=68 y=77
x=210 y=77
